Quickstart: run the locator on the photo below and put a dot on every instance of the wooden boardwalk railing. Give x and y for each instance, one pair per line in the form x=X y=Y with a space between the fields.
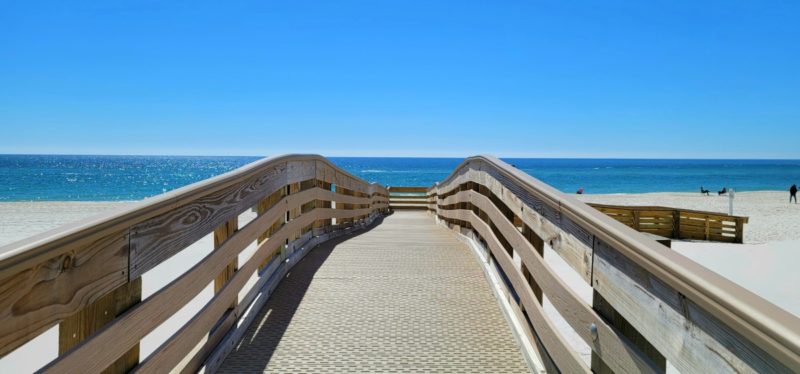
x=678 y=223
x=414 y=198
x=86 y=277
x=650 y=305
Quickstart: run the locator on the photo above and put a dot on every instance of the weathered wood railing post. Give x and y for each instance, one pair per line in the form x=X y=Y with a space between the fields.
x=74 y=329
x=739 y=238
x=676 y=224
x=343 y=222
x=292 y=214
x=323 y=223
x=263 y=206
x=221 y=234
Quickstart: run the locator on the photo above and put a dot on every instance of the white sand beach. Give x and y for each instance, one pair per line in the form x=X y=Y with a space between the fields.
x=763 y=264
x=19 y=220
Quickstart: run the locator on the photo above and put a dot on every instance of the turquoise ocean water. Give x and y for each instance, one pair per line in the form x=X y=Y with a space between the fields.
x=101 y=178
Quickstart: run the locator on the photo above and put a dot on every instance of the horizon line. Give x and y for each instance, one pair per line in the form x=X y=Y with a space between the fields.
x=585 y=157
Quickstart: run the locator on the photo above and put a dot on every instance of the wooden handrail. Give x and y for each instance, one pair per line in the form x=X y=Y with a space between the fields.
x=405 y=197
x=407 y=189
x=658 y=292
x=55 y=276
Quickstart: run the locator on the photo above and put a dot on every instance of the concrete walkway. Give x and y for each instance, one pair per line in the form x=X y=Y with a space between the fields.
x=403 y=296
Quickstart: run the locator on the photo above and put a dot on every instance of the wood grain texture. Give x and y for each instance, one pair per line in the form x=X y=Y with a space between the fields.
x=36 y=299
x=221 y=234
x=160 y=237
x=79 y=326
x=33 y=251
x=690 y=338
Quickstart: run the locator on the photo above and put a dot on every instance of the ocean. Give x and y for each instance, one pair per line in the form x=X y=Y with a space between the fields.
x=109 y=178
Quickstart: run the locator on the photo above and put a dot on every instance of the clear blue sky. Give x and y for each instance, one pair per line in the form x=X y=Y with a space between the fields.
x=718 y=79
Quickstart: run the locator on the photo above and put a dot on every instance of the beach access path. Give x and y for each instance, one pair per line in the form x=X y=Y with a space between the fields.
x=764 y=264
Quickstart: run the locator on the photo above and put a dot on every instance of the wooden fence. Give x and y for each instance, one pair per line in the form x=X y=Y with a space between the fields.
x=650 y=305
x=678 y=223
x=86 y=277
x=409 y=198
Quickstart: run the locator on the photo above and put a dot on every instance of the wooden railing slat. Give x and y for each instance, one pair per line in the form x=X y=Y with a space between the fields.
x=34 y=300
x=688 y=338
x=110 y=343
x=558 y=349
x=176 y=347
x=574 y=252
x=617 y=353
x=160 y=237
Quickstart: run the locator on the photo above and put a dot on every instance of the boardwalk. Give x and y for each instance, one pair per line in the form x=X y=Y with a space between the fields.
x=385 y=292
x=404 y=296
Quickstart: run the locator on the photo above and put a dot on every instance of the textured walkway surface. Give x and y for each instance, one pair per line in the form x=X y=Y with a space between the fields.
x=404 y=296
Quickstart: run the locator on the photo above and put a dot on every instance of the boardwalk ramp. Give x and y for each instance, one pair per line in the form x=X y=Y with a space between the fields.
x=404 y=295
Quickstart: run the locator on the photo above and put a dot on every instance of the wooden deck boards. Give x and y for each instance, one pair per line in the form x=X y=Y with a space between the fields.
x=404 y=296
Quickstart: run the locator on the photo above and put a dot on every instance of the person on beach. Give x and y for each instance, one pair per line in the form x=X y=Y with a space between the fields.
x=723 y=191
x=793 y=193
x=580 y=191
x=704 y=191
